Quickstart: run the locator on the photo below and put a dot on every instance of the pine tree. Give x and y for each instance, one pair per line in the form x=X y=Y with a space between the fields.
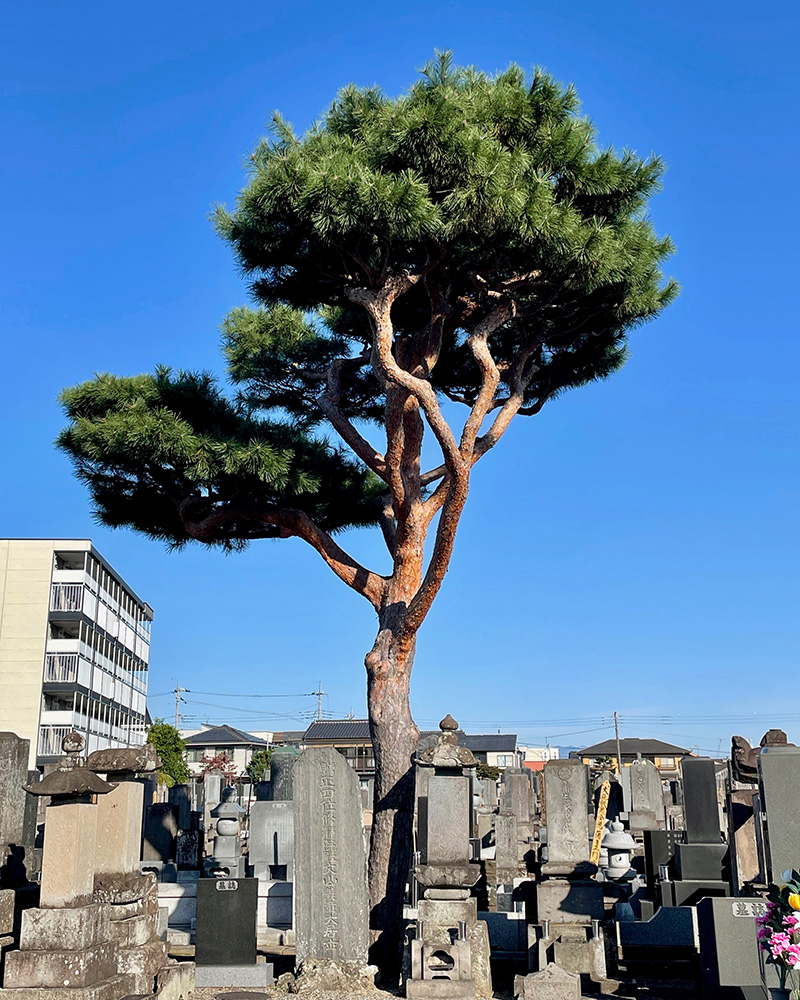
x=466 y=244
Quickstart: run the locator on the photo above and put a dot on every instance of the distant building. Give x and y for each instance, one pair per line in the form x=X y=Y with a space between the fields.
x=496 y=750
x=238 y=745
x=666 y=756
x=534 y=758
x=74 y=648
x=350 y=737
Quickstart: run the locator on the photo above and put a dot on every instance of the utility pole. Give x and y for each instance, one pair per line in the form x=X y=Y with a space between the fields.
x=616 y=733
x=178 y=692
x=319 y=695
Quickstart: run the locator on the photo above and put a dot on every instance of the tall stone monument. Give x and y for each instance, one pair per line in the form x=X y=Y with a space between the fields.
x=331 y=911
x=450 y=948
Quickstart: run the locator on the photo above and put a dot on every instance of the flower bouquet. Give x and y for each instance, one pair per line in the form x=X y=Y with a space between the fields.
x=779 y=932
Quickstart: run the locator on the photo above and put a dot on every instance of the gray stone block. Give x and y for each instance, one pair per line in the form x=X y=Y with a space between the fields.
x=69 y=928
x=567 y=902
x=330 y=865
x=59 y=968
x=552 y=983
x=669 y=927
x=700 y=861
x=234 y=975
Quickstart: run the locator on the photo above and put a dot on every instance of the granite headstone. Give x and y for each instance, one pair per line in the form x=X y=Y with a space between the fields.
x=330 y=870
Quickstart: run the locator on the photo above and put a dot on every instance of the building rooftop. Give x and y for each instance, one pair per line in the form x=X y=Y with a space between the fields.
x=224 y=736
x=338 y=729
x=491 y=743
x=631 y=746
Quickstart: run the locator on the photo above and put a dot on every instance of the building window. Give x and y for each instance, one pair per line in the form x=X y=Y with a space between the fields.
x=505 y=760
x=668 y=763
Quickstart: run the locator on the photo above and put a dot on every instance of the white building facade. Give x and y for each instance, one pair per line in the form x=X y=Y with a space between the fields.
x=74 y=648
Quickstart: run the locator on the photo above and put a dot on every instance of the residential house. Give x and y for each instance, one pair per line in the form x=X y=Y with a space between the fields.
x=666 y=756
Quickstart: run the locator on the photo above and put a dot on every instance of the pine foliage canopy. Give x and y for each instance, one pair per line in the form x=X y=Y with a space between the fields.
x=489 y=189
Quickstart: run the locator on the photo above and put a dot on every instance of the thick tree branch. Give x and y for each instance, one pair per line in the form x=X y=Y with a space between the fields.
x=379 y=304
x=289 y=522
x=490 y=373
x=328 y=402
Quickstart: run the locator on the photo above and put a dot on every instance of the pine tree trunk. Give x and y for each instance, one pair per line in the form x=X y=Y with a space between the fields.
x=394 y=738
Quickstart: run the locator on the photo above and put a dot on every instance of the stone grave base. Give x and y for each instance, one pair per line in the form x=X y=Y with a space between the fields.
x=110 y=989
x=551 y=983
x=234 y=975
x=440 y=989
x=330 y=974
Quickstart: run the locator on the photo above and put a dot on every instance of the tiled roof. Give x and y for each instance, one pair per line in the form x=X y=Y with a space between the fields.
x=491 y=743
x=630 y=747
x=338 y=729
x=220 y=736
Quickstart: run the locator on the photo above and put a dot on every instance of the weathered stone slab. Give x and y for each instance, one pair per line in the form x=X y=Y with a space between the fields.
x=330 y=870
x=109 y=989
x=13 y=775
x=59 y=968
x=69 y=928
x=124 y=760
x=70 y=834
x=566 y=801
x=449 y=806
x=281 y=768
x=505 y=832
x=119 y=828
x=518 y=793
x=646 y=791
x=563 y=901
x=552 y=983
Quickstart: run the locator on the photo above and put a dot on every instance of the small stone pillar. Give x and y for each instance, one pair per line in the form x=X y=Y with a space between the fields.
x=119 y=814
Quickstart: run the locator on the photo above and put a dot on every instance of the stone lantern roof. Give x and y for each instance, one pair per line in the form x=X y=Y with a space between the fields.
x=446 y=752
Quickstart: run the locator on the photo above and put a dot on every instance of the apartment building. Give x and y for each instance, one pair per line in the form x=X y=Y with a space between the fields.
x=74 y=647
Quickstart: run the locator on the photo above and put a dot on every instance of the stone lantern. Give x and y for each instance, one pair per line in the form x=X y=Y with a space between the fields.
x=618 y=845
x=450 y=947
x=226 y=861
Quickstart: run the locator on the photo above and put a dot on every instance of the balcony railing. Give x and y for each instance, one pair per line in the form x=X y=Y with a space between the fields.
x=66 y=597
x=61 y=667
x=50 y=738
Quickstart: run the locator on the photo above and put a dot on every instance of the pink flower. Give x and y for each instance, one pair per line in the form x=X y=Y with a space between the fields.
x=792 y=956
x=791 y=921
x=778 y=943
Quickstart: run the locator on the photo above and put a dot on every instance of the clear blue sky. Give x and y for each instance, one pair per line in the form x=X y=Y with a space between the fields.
x=633 y=547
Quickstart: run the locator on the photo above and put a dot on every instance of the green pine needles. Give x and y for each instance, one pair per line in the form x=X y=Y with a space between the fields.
x=476 y=193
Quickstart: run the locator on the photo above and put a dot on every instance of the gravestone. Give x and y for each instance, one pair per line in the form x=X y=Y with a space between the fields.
x=272 y=841
x=212 y=787
x=779 y=774
x=517 y=797
x=700 y=808
x=745 y=866
x=729 y=956
x=13 y=774
x=160 y=832
x=647 y=806
x=329 y=859
x=505 y=833
x=180 y=796
x=281 y=768
x=566 y=797
x=225 y=938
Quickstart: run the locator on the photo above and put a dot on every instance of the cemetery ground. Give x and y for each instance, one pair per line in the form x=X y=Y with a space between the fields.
x=557 y=884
